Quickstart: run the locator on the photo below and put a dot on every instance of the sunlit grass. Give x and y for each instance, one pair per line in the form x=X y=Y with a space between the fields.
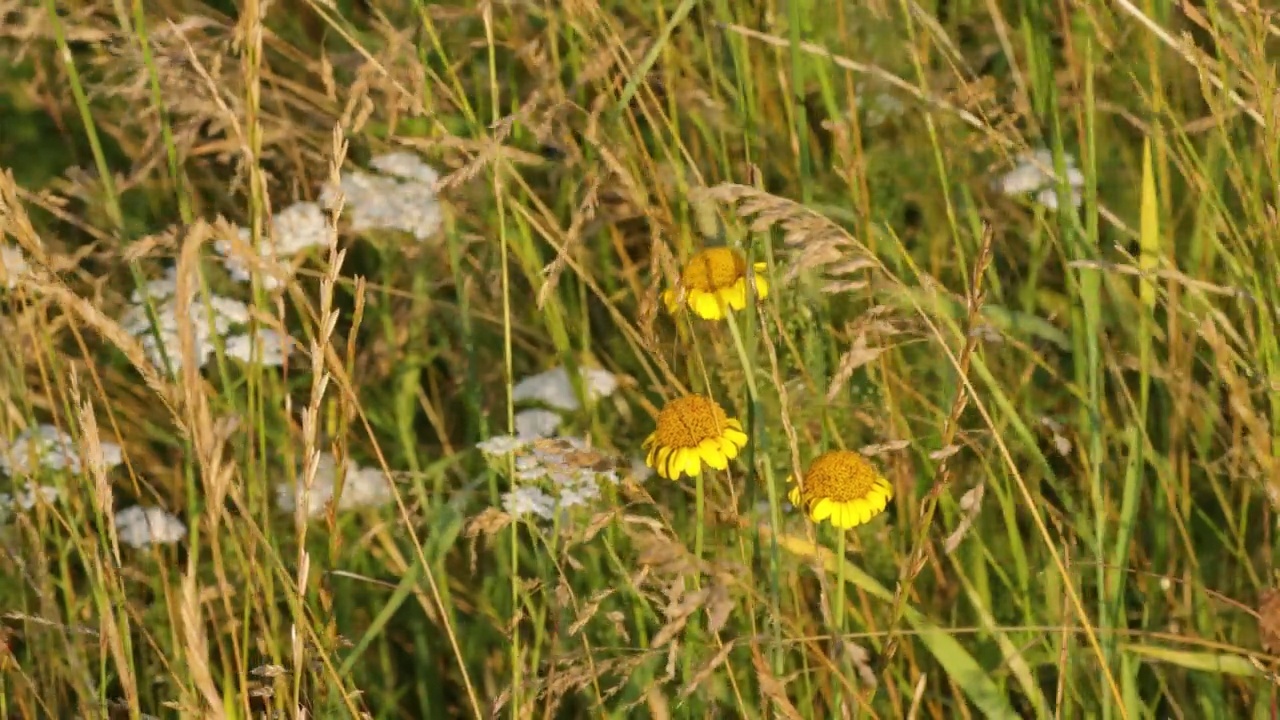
x=1021 y=260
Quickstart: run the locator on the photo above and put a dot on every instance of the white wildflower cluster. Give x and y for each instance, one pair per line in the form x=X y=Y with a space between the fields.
x=553 y=388
x=48 y=448
x=26 y=497
x=361 y=488
x=402 y=196
x=142 y=527
x=879 y=107
x=553 y=473
x=1033 y=175
x=222 y=317
x=13 y=264
x=294 y=229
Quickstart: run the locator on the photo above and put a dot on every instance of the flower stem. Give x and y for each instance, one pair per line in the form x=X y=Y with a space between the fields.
x=837 y=636
x=700 y=507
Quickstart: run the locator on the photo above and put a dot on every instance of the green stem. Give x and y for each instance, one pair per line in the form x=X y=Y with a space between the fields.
x=838 y=619
x=700 y=507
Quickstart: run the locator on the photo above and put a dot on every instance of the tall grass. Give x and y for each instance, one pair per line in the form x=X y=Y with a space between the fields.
x=1076 y=402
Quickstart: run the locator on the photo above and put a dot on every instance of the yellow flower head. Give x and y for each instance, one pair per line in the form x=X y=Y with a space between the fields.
x=691 y=431
x=843 y=487
x=714 y=279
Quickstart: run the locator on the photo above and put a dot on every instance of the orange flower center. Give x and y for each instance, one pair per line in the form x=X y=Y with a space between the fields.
x=714 y=269
x=841 y=475
x=687 y=421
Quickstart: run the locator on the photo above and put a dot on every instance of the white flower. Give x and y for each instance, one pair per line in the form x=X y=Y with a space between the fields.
x=554 y=389
x=529 y=501
x=361 y=488
x=47 y=447
x=402 y=199
x=219 y=316
x=405 y=165
x=579 y=493
x=1048 y=197
x=12 y=265
x=500 y=445
x=140 y=527
x=1033 y=175
x=535 y=423
x=158 y=289
x=27 y=497
x=293 y=230
x=880 y=107
x=267 y=347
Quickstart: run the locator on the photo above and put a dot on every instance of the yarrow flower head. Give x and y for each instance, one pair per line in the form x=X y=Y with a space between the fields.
x=714 y=280
x=554 y=475
x=27 y=497
x=221 y=317
x=402 y=198
x=554 y=388
x=361 y=488
x=47 y=447
x=141 y=527
x=692 y=431
x=1033 y=175
x=293 y=230
x=12 y=265
x=842 y=487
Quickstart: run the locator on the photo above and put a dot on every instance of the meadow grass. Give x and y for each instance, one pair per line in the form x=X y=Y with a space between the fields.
x=1072 y=385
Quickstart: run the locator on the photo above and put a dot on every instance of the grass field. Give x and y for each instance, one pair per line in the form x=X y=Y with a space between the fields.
x=335 y=334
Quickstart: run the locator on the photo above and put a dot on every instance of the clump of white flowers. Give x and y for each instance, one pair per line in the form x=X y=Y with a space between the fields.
x=141 y=527
x=27 y=497
x=293 y=230
x=536 y=423
x=879 y=107
x=361 y=488
x=554 y=389
x=1033 y=175
x=13 y=264
x=48 y=448
x=400 y=196
x=552 y=475
x=221 y=317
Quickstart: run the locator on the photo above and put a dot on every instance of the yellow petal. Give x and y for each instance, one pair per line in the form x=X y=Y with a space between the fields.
x=692 y=462
x=762 y=282
x=676 y=464
x=821 y=510
x=884 y=487
x=737 y=437
x=672 y=300
x=735 y=296
x=843 y=517
x=793 y=495
x=729 y=448
x=707 y=306
x=712 y=455
x=661 y=455
x=868 y=511
x=734 y=424
x=649 y=441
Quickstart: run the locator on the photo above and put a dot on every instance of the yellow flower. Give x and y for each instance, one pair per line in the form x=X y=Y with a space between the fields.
x=692 y=431
x=843 y=487
x=714 y=279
